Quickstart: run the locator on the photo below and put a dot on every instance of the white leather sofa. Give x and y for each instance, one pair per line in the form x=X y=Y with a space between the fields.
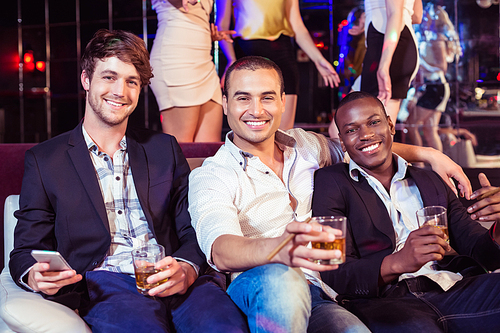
x=22 y=311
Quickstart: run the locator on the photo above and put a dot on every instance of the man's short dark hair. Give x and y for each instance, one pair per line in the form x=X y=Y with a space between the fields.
x=351 y=97
x=252 y=63
x=121 y=44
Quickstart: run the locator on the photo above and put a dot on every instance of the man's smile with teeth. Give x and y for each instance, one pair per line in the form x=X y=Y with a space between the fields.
x=255 y=123
x=114 y=103
x=370 y=148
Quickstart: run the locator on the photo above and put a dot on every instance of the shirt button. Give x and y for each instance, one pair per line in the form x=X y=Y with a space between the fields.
x=267 y=172
x=106 y=159
x=94 y=263
x=117 y=178
x=119 y=212
x=241 y=163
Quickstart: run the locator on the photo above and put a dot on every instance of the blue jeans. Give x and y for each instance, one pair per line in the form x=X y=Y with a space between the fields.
x=114 y=305
x=420 y=305
x=328 y=316
x=277 y=298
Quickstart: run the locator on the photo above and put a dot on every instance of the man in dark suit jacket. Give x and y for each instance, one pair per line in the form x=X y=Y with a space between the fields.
x=99 y=190
x=389 y=280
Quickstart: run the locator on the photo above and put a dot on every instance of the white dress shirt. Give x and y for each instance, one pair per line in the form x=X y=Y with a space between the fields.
x=234 y=193
x=402 y=203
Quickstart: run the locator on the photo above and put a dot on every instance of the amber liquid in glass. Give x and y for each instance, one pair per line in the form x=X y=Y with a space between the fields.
x=141 y=277
x=337 y=244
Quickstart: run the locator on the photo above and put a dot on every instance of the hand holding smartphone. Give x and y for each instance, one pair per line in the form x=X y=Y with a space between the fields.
x=53 y=258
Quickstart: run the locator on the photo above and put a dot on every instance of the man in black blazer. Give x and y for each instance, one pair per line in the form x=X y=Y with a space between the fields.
x=99 y=190
x=399 y=277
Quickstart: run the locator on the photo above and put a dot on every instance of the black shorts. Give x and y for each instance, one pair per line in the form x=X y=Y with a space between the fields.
x=435 y=96
x=403 y=64
x=280 y=51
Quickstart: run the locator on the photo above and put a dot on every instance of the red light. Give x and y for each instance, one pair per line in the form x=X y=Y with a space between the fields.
x=28 y=57
x=498 y=77
x=29 y=66
x=40 y=65
x=345 y=23
x=320 y=45
x=29 y=61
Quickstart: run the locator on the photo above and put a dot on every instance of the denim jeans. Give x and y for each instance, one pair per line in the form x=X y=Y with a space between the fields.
x=116 y=306
x=420 y=305
x=277 y=298
x=274 y=297
x=328 y=316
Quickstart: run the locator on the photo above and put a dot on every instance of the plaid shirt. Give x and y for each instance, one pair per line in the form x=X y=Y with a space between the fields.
x=127 y=223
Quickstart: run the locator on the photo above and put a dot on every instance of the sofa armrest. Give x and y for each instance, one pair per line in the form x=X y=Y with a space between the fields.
x=24 y=311
x=9 y=224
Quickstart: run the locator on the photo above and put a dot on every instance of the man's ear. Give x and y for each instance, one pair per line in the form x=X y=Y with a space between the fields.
x=85 y=80
x=224 y=104
x=283 y=101
x=391 y=125
x=342 y=144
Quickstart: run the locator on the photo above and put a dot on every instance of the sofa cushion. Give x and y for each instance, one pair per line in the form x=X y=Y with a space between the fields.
x=24 y=311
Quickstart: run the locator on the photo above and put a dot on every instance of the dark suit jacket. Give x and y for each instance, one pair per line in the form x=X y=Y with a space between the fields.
x=62 y=208
x=370 y=234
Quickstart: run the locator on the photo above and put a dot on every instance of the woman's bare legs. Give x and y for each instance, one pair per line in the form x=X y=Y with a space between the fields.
x=392 y=109
x=413 y=124
x=288 y=118
x=201 y=123
x=429 y=121
x=431 y=126
x=209 y=123
x=181 y=122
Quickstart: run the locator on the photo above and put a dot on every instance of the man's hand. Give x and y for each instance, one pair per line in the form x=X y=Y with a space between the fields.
x=49 y=282
x=181 y=276
x=446 y=168
x=487 y=209
x=296 y=254
x=422 y=245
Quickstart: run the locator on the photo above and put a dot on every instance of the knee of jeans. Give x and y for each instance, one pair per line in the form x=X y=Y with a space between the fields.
x=287 y=286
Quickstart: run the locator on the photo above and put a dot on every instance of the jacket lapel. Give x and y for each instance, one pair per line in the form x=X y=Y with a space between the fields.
x=430 y=194
x=378 y=212
x=140 y=172
x=82 y=162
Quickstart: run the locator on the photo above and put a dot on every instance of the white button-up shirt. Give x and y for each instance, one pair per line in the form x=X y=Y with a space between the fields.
x=402 y=203
x=234 y=193
x=127 y=223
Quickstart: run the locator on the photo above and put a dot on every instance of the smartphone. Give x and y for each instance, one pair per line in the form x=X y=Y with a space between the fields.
x=54 y=258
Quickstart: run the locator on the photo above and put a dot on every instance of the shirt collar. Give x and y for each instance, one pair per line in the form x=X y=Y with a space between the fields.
x=355 y=169
x=92 y=146
x=282 y=139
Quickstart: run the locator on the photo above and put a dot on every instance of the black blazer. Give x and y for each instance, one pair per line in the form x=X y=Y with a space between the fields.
x=62 y=209
x=370 y=234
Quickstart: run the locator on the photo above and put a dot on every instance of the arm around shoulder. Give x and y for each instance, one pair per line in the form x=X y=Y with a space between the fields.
x=439 y=162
